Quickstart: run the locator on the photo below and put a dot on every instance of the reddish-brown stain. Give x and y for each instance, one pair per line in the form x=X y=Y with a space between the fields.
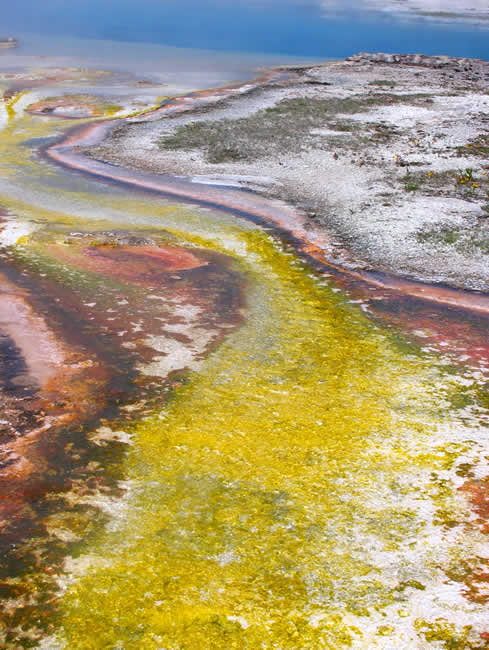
x=92 y=370
x=134 y=264
x=477 y=492
x=474 y=572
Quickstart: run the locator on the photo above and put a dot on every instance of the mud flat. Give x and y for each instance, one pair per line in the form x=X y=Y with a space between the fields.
x=386 y=153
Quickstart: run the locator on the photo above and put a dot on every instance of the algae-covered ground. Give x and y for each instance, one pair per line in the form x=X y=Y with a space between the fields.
x=259 y=462
x=294 y=493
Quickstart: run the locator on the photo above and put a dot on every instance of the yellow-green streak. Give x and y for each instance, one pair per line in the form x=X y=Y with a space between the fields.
x=261 y=494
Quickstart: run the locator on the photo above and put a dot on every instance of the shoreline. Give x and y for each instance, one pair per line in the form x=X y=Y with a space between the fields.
x=72 y=149
x=280 y=217
x=362 y=158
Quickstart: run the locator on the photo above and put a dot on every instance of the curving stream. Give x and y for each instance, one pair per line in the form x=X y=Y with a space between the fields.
x=213 y=439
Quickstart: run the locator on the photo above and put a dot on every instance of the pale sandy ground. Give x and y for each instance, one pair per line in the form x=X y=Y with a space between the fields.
x=355 y=184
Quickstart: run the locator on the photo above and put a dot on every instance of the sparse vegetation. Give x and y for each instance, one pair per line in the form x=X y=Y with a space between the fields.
x=343 y=126
x=410 y=184
x=383 y=132
x=285 y=127
x=431 y=182
x=463 y=182
x=466 y=239
x=465 y=175
x=477 y=147
x=383 y=83
x=411 y=187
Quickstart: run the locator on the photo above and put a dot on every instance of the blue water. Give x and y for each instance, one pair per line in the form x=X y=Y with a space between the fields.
x=289 y=27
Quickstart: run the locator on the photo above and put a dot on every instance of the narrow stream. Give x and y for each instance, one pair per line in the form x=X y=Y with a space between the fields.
x=209 y=442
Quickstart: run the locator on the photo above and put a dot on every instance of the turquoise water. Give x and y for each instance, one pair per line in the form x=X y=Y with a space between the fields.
x=290 y=27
